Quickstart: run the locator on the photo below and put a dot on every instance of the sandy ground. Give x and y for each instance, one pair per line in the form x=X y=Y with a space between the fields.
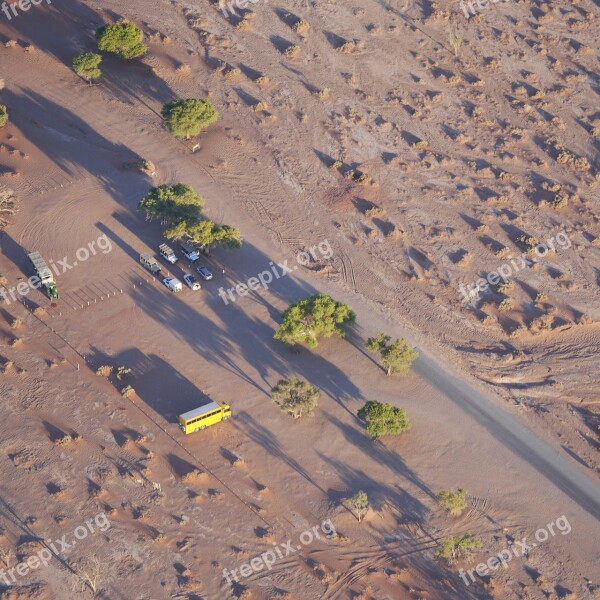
x=457 y=162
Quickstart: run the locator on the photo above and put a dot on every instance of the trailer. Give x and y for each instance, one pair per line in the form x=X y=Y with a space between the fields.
x=44 y=273
x=150 y=263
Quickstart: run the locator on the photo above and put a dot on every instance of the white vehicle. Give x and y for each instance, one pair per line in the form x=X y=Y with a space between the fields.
x=191 y=282
x=167 y=253
x=173 y=284
x=190 y=252
x=204 y=273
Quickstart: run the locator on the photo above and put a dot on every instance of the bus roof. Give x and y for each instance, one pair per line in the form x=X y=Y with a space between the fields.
x=198 y=412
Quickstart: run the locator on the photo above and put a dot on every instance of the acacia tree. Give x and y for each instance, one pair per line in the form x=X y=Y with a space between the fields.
x=123 y=39
x=383 y=419
x=187 y=118
x=396 y=357
x=206 y=233
x=296 y=397
x=454 y=502
x=458 y=546
x=358 y=505
x=173 y=204
x=318 y=315
x=86 y=65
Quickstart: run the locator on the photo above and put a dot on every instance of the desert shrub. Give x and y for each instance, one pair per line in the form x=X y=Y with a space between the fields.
x=296 y=397
x=358 y=504
x=396 y=357
x=122 y=39
x=458 y=546
x=311 y=317
x=172 y=204
x=383 y=419
x=86 y=65
x=454 y=502
x=104 y=371
x=3 y=115
x=187 y=118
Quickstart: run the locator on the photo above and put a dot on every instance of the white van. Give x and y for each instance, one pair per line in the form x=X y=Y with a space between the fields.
x=173 y=284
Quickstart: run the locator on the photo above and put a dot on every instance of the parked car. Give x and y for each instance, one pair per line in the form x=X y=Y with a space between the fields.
x=189 y=252
x=191 y=282
x=173 y=284
x=204 y=273
x=150 y=263
x=167 y=253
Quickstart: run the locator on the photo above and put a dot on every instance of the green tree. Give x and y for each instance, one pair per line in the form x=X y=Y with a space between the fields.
x=173 y=205
x=187 y=118
x=358 y=505
x=383 y=419
x=318 y=315
x=458 y=546
x=454 y=502
x=123 y=39
x=396 y=358
x=3 y=115
x=86 y=65
x=206 y=233
x=296 y=397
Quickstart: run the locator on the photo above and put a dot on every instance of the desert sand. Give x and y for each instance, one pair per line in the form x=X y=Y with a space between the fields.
x=425 y=164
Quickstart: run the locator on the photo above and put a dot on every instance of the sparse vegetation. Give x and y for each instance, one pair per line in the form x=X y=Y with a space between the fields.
x=86 y=65
x=396 y=357
x=187 y=118
x=383 y=419
x=296 y=397
x=3 y=115
x=358 y=504
x=206 y=234
x=319 y=315
x=454 y=502
x=123 y=39
x=459 y=546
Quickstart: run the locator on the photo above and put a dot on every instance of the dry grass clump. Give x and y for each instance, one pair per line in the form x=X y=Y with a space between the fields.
x=104 y=371
x=518 y=331
x=260 y=106
x=324 y=94
x=66 y=438
x=16 y=341
x=6 y=367
x=230 y=72
x=505 y=287
x=347 y=47
x=183 y=69
x=127 y=391
x=10 y=43
x=262 y=80
x=292 y=51
x=16 y=323
x=375 y=212
x=300 y=26
x=505 y=304
x=39 y=311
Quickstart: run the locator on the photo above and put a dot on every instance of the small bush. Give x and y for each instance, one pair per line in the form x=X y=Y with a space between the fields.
x=86 y=65
x=454 y=502
x=3 y=115
x=358 y=505
x=104 y=371
x=122 y=39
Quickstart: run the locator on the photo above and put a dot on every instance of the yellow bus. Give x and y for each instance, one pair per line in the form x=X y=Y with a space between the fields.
x=203 y=417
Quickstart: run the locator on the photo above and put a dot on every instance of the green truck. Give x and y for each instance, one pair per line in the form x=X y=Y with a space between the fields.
x=45 y=274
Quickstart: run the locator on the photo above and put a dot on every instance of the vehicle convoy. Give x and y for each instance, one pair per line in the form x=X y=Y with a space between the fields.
x=173 y=284
x=191 y=282
x=204 y=273
x=167 y=253
x=150 y=263
x=203 y=417
x=190 y=252
x=45 y=274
